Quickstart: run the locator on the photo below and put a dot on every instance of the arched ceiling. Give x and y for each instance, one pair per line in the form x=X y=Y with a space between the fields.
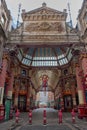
x=53 y=77
x=44 y=56
x=46 y=60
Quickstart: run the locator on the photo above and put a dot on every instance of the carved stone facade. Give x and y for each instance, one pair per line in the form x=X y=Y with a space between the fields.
x=44 y=26
x=5 y=25
x=82 y=22
x=5 y=17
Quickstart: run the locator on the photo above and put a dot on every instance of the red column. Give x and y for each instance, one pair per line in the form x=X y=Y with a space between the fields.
x=10 y=86
x=2 y=83
x=28 y=98
x=16 y=99
x=17 y=85
x=84 y=63
x=61 y=102
x=79 y=86
x=84 y=68
x=3 y=77
x=73 y=91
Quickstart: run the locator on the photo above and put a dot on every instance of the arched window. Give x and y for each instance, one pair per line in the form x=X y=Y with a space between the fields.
x=3 y=19
x=23 y=72
x=65 y=72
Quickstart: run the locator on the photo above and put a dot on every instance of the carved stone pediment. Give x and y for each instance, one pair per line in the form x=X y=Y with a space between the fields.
x=45 y=10
x=45 y=13
x=45 y=26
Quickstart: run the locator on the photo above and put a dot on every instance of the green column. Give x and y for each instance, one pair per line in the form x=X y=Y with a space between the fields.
x=7 y=109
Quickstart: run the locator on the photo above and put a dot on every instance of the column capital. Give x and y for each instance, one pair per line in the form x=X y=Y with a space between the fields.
x=83 y=55
x=76 y=65
x=5 y=56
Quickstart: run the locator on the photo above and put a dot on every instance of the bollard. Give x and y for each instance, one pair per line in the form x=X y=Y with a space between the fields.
x=60 y=116
x=11 y=112
x=17 y=116
x=30 y=117
x=44 y=118
x=2 y=110
x=73 y=116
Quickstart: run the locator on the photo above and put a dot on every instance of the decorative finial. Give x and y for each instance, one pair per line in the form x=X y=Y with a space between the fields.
x=70 y=14
x=43 y=4
x=19 y=9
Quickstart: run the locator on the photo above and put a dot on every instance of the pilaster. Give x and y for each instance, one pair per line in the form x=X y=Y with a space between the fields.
x=73 y=91
x=83 y=58
x=16 y=93
x=3 y=76
x=79 y=86
x=28 y=98
x=10 y=85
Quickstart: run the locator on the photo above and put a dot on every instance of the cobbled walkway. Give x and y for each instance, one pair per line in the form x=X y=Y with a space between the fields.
x=37 y=122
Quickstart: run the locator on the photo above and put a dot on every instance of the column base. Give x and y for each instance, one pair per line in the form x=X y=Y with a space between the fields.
x=27 y=108
x=11 y=112
x=82 y=111
x=2 y=112
x=75 y=107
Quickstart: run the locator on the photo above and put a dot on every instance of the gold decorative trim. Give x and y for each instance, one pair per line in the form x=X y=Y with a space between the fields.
x=77 y=65
x=5 y=56
x=83 y=55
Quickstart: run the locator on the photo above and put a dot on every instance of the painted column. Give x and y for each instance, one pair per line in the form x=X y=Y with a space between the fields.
x=73 y=91
x=16 y=93
x=62 y=102
x=3 y=76
x=1 y=49
x=10 y=86
x=16 y=99
x=8 y=101
x=30 y=95
x=84 y=68
x=2 y=83
x=28 y=99
x=34 y=98
x=84 y=63
x=79 y=86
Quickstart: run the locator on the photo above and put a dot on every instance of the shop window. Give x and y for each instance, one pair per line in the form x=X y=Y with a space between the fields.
x=68 y=101
x=22 y=103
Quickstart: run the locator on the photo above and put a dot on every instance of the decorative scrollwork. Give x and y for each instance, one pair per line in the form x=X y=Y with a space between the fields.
x=45 y=26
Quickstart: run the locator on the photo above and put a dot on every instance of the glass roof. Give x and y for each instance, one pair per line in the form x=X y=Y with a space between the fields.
x=44 y=56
